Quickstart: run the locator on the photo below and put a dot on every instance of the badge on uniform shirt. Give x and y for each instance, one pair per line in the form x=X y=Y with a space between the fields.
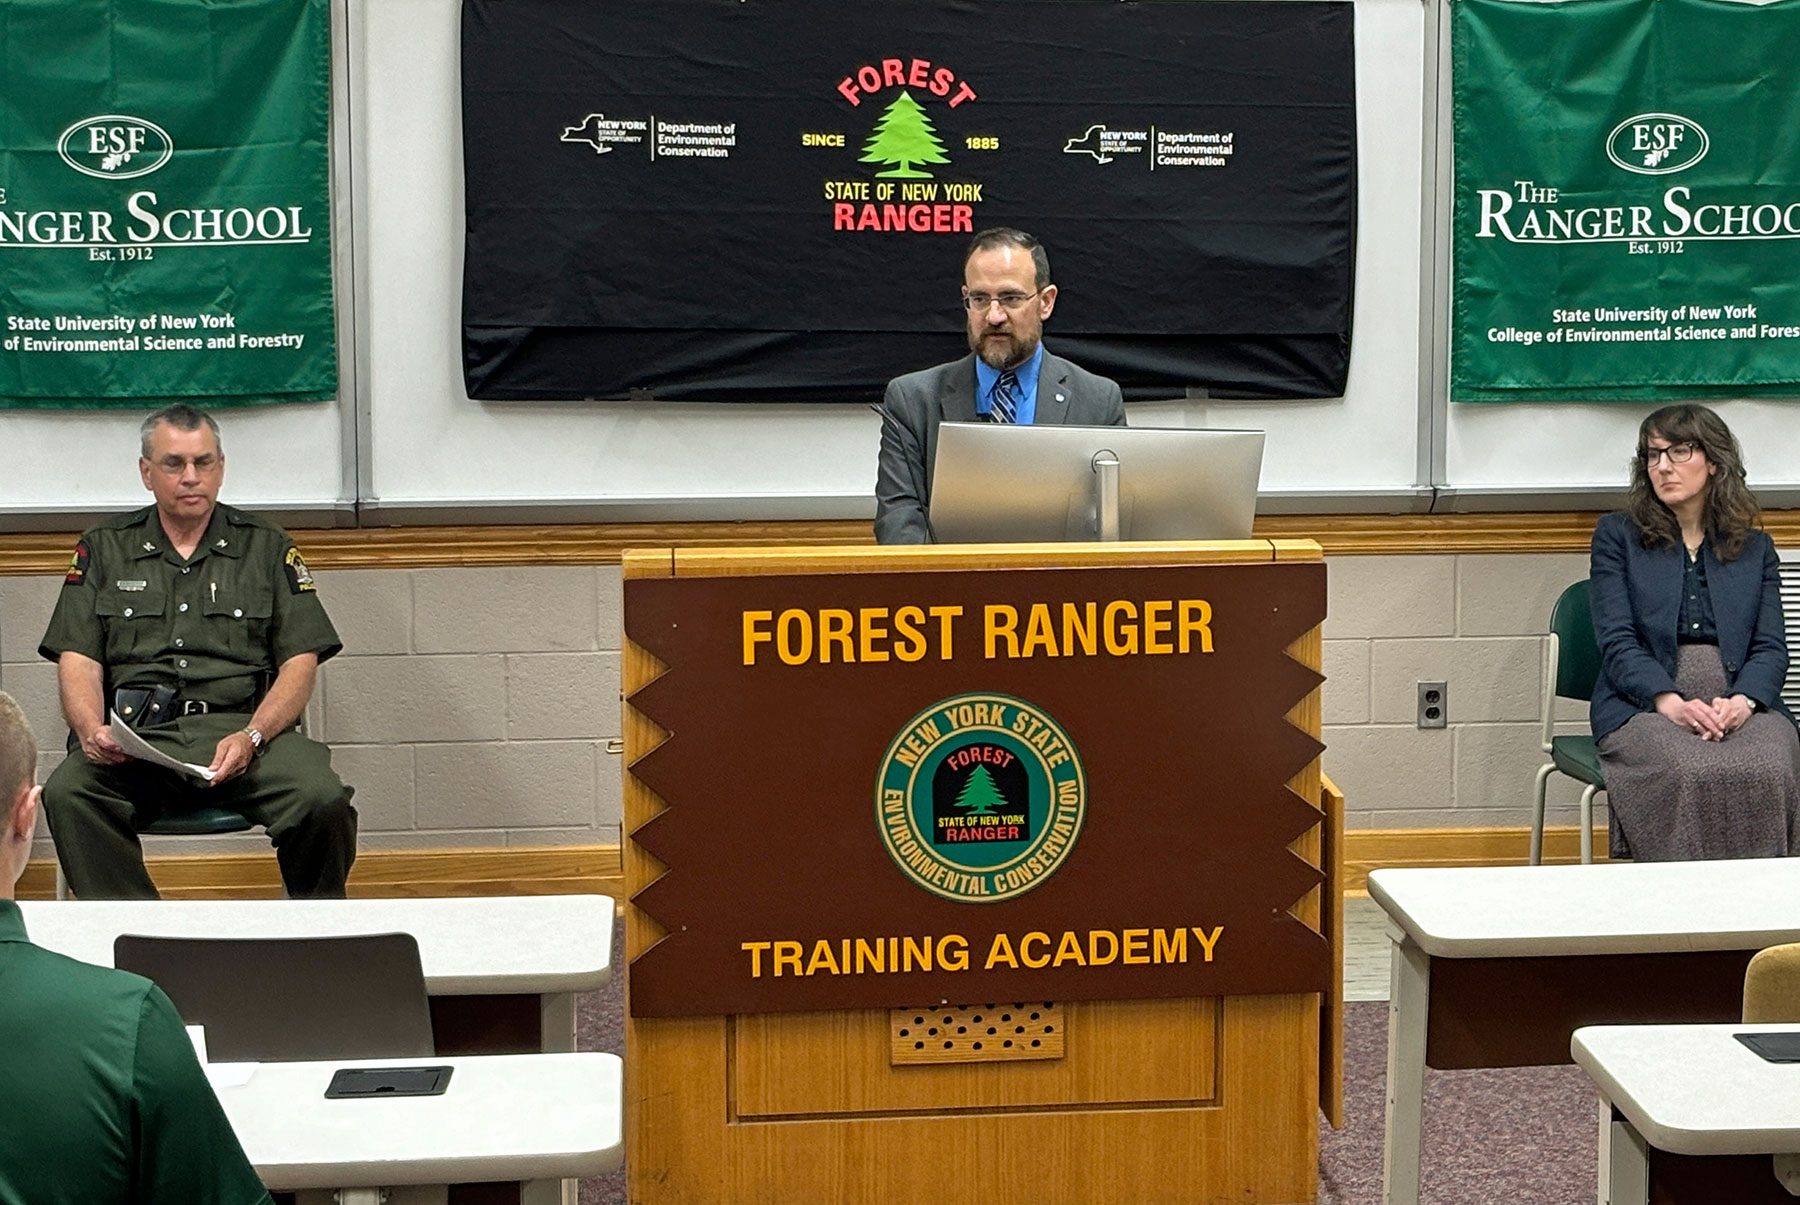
x=77 y=566
x=299 y=579
x=137 y=585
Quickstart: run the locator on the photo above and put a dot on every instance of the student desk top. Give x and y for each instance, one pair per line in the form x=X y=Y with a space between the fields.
x=502 y=970
x=1498 y=966
x=527 y=1117
x=1692 y=1112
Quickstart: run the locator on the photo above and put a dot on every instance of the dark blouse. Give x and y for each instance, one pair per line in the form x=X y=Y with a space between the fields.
x=1697 y=625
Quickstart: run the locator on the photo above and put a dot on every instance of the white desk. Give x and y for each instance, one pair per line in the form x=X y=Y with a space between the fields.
x=531 y=1117
x=1691 y=1090
x=1524 y=955
x=548 y=946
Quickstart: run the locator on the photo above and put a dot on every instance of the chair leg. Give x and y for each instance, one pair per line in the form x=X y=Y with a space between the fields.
x=1537 y=812
x=1587 y=823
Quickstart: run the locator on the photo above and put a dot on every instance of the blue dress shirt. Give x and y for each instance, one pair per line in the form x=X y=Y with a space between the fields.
x=986 y=377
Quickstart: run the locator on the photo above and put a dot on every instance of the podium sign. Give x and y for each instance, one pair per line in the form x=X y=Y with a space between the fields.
x=1017 y=841
x=889 y=788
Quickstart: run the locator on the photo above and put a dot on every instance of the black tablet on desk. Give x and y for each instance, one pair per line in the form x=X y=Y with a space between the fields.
x=355 y=1083
x=1773 y=1047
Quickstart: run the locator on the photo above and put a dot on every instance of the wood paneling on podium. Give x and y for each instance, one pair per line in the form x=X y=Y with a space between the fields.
x=1170 y=1097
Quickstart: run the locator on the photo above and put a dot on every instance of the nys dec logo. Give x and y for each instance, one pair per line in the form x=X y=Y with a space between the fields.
x=980 y=798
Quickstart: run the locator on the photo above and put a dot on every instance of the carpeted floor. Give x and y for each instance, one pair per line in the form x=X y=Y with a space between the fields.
x=600 y=1025
x=1523 y=1137
x=1520 y=1137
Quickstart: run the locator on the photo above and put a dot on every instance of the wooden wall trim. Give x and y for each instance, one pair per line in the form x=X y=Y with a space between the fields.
x=602 y=544
x=598 y=868
x=1372 y=849
x=496 y=544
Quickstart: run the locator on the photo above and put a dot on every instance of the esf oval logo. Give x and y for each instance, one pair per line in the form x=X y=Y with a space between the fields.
x=115 y=146
x=980 y=798
x=1656 y=144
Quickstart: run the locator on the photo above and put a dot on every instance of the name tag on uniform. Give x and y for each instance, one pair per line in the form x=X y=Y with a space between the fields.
x=123 y=585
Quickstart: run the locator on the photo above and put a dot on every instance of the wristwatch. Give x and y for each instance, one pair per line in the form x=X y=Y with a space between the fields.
x=256 y=741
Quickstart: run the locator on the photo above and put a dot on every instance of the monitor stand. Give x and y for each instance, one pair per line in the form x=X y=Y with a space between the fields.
x=1106 y=495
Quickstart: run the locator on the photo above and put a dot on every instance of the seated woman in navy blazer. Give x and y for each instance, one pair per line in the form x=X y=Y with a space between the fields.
x=1701 y=757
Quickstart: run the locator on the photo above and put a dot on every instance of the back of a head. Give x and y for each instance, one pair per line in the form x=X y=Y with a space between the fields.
x=18 y=753
x=18 y=774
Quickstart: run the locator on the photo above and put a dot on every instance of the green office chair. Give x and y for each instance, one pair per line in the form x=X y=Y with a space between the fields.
x=1571 y=664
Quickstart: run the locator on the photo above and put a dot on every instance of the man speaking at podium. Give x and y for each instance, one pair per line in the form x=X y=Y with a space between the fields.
x=1007 y=378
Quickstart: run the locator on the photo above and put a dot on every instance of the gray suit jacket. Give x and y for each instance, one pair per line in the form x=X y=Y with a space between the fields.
x=917 y=402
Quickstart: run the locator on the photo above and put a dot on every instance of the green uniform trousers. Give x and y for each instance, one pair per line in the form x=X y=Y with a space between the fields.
x=97 y=812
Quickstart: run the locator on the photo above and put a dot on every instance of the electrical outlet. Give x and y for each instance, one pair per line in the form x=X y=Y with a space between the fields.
x=1434 y=704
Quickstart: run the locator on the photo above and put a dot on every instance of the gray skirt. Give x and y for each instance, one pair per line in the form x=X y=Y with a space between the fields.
x=1675 y=797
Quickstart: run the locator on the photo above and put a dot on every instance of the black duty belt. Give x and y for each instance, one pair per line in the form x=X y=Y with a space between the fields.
x=147 y=706
x=202 y=707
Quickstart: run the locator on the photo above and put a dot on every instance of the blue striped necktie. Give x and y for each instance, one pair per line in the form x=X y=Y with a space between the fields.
x=1005 y=408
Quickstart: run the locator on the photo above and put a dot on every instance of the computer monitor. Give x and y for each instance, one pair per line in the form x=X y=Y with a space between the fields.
x=999 y=483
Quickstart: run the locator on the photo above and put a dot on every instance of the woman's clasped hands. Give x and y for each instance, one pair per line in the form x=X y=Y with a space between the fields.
x=1712 y=721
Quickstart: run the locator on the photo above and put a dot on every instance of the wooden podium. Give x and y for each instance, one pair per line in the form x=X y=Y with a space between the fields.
x=988 y=873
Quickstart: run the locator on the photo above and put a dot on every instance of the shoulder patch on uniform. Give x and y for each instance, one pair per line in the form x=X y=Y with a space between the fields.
x=78 y=566
x=299 y=578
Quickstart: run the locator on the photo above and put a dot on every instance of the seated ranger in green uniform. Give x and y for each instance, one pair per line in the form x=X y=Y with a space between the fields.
x=102 y=1099
x=200 y=626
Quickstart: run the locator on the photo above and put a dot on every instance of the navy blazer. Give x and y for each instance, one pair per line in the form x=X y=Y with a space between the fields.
x=1636 y=597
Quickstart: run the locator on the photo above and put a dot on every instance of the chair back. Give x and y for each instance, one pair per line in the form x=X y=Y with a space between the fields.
x=292 y=999
x=1772 y=986
x=1577 y=653
x=1790 y=613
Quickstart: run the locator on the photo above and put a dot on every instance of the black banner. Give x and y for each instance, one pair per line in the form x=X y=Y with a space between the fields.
x=711 y=199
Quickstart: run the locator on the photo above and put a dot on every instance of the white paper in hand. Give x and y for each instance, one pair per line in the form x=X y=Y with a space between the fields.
x=143 y=750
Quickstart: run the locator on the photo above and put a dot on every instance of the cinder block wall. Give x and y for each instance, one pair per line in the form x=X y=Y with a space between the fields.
x=473 y=707
x=470 y=707
x=1476 y=622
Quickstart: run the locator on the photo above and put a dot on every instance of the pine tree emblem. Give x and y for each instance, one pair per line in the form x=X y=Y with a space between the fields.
x=903 y=136
x=980 y=794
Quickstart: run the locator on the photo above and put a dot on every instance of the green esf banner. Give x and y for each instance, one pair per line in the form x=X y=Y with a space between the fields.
x=164 y=202
x=1627 y=212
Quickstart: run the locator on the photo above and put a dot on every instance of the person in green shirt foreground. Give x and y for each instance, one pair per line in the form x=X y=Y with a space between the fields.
x=199 y=625
x=102 y=1100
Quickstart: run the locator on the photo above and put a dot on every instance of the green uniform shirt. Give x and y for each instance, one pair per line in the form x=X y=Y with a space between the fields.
x=102 y=1101
x=216 y=626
